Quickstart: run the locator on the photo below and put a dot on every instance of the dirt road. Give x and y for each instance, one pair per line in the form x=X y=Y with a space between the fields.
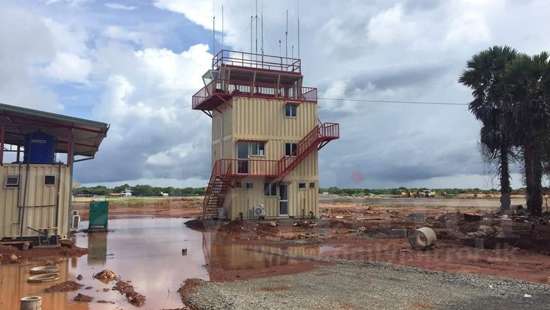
x=369 y=286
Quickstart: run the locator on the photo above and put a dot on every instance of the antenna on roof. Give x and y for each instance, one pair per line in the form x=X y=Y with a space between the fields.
x=256 y=32
x=214 y=27
x=222 y=28
x=262 y=28
x=251 y=33
x=298 y=4
x=280 y=49
x=286 y=36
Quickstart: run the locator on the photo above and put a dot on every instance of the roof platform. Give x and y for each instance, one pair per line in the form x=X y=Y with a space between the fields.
x=74 y=136
x=253 y=75
x=258 y=62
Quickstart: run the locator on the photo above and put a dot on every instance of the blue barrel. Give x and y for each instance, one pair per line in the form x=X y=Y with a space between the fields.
x=39 y=148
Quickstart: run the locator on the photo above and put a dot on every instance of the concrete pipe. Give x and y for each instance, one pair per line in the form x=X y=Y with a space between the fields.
x=422 y=238
x=31 y=303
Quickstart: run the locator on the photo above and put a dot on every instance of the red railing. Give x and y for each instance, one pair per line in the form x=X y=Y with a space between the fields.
x=258 y=61
x=241 y=88
x=249 y=167
x=320 y=133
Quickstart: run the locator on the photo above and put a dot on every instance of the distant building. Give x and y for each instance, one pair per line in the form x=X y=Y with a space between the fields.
x=127 y=192
x=265 y=137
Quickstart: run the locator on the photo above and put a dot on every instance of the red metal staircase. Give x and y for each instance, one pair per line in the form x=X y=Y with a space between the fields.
x=224 y=170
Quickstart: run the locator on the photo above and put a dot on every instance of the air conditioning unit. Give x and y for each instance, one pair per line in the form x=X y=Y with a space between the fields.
x=259 y=211
x=75 y=220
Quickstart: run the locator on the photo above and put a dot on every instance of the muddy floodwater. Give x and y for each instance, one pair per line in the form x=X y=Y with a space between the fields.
x=147 y=252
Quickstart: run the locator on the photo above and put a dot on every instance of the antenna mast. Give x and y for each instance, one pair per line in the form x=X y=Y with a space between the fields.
x=222 y=28
x=262 y=28
x=251 y=33
x=286 y=36
x=256 y=32
x=298 y=4
x=214 y=27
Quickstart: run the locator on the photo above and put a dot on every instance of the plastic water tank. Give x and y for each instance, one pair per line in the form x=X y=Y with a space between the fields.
x=39 y=148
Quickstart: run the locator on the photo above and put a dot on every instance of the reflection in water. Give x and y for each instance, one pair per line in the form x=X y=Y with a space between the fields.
x=147 y=252
x=14 y=285
x=97 y=248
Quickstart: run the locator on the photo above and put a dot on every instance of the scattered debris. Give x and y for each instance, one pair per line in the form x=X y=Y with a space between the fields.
x=79 y=277
x=67 y=286
x=183 y=252
x=44 y=269
x=106 y=276
x=527 y=296
x=195 y=224
x=132 y=296
x=14 y=258
x=41 y=278
x=423 y=238
x=83 y=298
x=105 y=302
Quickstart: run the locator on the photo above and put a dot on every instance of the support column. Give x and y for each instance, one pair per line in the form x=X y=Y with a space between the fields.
x=2 y=137
x=70 y=150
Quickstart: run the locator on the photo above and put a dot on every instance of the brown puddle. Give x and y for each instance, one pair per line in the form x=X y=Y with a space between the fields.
x=148 y=252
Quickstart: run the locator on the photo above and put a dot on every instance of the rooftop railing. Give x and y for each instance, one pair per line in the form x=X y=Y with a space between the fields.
x=251 y=89
x=257 y=61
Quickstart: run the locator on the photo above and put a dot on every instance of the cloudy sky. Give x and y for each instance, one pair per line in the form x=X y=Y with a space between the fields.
x=136 y=64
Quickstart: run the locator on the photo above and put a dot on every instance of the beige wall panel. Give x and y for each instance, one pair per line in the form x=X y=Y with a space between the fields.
x=301 y=201
x=264 y=119
x=40 y=199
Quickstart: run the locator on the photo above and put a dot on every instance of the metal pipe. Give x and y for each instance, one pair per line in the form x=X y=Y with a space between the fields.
x=57 y=198
x=2 y=133
x=22 y=222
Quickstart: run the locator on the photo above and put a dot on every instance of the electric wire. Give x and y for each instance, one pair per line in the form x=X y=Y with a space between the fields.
x=412 y=102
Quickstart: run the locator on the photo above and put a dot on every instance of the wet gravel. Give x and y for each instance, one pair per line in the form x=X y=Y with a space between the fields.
x=372 y=286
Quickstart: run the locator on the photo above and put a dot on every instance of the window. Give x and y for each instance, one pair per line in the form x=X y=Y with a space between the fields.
x=245 y=149
x=249 y=185
x=290 y=110
x=291 y=149
x=302 y=185
x=256 y=148
x=312 y=185
x=270 y=189
x=12 y=181
x=49 y=180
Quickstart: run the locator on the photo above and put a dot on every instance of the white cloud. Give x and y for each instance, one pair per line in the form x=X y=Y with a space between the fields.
x=69 y=68
x=390 y=26
x=199 y=12
x=122 y=34
x=119 y=6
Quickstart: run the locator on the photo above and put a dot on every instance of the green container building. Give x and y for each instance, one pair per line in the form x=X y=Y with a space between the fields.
x=99 y=215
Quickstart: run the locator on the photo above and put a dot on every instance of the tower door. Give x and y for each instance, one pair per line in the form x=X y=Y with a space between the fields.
x=283 y=199
x=242 y=157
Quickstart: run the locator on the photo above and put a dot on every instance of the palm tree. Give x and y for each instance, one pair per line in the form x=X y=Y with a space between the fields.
x=529 y=81
x=484 y=74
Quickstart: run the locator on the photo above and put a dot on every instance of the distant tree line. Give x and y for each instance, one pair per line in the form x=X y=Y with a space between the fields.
x=401 y=190
x=511 y=99
x=151 y=191
x=139 y=191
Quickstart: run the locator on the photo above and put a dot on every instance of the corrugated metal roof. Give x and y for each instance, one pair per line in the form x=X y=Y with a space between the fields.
x=87 y=135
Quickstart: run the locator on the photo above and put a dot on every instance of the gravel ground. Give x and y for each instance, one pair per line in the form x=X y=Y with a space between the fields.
x=372 y=286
